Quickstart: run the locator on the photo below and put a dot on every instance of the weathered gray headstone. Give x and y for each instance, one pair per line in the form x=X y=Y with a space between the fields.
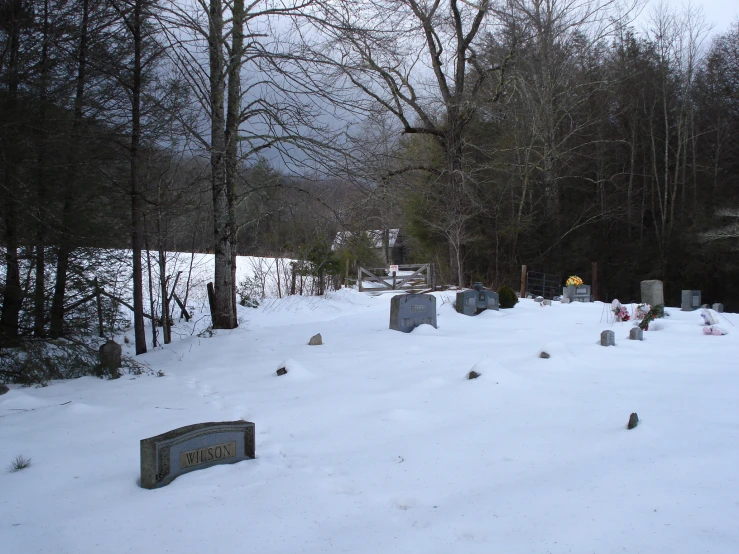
x=565 y=300
x=580 y=293
x=691 y=300
x=316 y=340
x=473 y=375
x=3 y=389
x=608 y=338
x=652 y=292
x=408 y=311
x=633 y=421
x=180 y=451
x=282 y=371
x=546 y=302
x=539 y=299
x=718 y=307
x=472 y=302
x=544 y=355
x=110 y=355
x=636 y=333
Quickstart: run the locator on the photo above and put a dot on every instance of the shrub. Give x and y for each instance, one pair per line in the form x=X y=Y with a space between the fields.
x=507 y=297
x=248 y=291
x=20 y=462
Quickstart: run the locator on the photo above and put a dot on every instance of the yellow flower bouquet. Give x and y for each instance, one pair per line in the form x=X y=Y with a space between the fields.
x=573 y=281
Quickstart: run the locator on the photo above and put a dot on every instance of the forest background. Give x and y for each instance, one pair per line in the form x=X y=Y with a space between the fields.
x=492 y=134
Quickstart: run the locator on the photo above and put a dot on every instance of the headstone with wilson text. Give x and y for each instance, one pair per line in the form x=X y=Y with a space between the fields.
x=193 y=447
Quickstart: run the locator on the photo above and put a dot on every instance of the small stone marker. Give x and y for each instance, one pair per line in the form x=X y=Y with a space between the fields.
x=282 y=371
x=652 y=292
x=546 y=302
x=316 y=340
x=110 y=355
x=565 y=300
x=539 y=299
x=408 y=311
x=193 y=447
x=473 y=375
x=544 y=355
x=633 y=421
x=691 y=300
x=718 y=307
x=608 y=338
x=3 y=389
x=636 y=333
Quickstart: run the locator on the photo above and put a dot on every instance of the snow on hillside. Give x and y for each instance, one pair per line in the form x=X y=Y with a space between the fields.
x=378 y=444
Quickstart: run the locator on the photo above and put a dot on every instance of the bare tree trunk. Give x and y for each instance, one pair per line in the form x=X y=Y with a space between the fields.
x=39 y=300
x=136 y=242
x=13 y=293
x=224 y=316
x=65 y=247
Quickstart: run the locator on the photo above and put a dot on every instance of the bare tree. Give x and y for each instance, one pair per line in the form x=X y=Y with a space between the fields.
x=246 y=114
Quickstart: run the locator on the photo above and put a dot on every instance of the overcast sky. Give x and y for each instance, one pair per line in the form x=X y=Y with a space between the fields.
x=719 y=13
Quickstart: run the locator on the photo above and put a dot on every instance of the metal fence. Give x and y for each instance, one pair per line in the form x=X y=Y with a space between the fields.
x=543 y=284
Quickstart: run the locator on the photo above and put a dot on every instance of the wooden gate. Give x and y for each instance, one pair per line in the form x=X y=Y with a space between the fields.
x=420 y=278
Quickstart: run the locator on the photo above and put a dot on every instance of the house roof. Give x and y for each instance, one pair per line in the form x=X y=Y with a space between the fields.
x=375 y=236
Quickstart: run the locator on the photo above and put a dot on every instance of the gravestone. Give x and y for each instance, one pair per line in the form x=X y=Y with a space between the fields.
x=580 y=293
x=408 y=311
x=110 y=355
x=636 y=333
x=718 y=307
x=316 y=340
x=193 y=447
x=281 y=371
x=633 y=421
x=546 y=302
x=608 y=338
x=691 y=300
x=652 y=292
x=565 y=300
x=472 y=302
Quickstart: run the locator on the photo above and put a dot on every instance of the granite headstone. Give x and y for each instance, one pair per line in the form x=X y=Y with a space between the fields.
x=110 y=355
x=608 y=338
x=472 y=302
x=408 y=311
x=169 y=455
x=652 y=292
x=691 y=300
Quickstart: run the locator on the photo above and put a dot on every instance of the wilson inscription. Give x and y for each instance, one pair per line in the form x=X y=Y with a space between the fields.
x=209 y=454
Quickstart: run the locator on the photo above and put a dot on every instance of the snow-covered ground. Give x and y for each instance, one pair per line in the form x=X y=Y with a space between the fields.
x=375 y=442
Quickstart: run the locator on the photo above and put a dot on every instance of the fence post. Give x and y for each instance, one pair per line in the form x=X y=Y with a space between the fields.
x=594 y=268
x=359 y=278
x=523 y=281
x=211 y=301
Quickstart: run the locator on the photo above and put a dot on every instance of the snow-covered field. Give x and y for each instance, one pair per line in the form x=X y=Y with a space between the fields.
x=375 y=442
